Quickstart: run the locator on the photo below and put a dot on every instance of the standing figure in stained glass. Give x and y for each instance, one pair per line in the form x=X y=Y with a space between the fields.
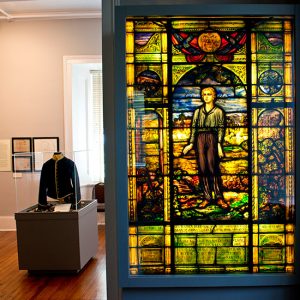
x=207 y=133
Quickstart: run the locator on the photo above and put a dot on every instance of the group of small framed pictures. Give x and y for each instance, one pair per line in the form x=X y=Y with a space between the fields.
x=29 y=154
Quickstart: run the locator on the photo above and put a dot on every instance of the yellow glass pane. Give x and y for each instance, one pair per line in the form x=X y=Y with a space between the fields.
x=193 y=228
x=290 y=228
x=232 y=255
x=239 y=166
x=150 y=256
x=287 y=42
x=167 y=200
x=255 y=228
x=290 y=257
x=129 y=43
x=164 y=43
x=152 y=240
x=253 y=43
x=290 y=189
x=165 y=76
x=289 y=116
x=255 y=269
x=230 y=228
x=129 y=58
x=168 y=257
x=254 y=74
x=288 y=58
x=290 y=239
x=289 y=138
x=149 y=57
x=129 y=26
x=186 y=256
x=239 y=70
x=206 y=255
x=254 y=92
x=255 y=201
x=143 y=25
x=288 y=92
x=155 y=229
x=287 y=25
x=193 y=24
x=290 y=269
x=133 y=256
x=130 y=93
x=132 y=241
x=130 y=74
x=289 y=161
x=164 y=58
x=240 y=240
x=267 y=239
x=254 y=123
x=168 y=240
x=271 y=228
x=288 y=79
x=255 y=239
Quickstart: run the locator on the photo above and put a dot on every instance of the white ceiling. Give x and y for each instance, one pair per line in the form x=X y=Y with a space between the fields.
x=29 y=9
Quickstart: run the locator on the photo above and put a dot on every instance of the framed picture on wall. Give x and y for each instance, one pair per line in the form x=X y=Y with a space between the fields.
x=21 y=148
x=5 y=155
x=21 y=145
x=22 y=163
x=43 y=148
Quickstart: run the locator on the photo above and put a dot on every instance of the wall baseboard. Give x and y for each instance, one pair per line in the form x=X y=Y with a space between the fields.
x=7 y=223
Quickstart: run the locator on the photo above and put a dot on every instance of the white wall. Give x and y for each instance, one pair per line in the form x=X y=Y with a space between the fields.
x=31 y=81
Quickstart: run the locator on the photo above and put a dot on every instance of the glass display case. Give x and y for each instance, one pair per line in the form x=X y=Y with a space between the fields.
x=56 y=223
x=51 y=180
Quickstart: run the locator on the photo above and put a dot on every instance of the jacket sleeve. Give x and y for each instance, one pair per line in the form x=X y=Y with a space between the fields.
x=76 y=184
x=43 y=187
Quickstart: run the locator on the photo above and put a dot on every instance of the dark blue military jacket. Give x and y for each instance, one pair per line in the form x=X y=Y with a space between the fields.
x=59 y=180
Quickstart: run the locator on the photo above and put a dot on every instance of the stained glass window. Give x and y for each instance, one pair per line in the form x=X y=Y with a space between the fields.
x=211 y=144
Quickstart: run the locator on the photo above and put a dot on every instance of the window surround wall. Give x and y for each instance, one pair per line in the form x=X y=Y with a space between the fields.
x=68 y=61
x=77 y=114
x=117 y=188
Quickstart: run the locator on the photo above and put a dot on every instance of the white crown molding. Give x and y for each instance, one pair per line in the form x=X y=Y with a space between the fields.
x=50 y=15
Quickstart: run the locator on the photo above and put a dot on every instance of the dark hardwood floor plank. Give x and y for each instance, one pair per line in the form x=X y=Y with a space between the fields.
x=15 y=284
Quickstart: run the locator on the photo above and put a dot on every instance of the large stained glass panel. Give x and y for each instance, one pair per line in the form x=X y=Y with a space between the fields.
x=211 y=144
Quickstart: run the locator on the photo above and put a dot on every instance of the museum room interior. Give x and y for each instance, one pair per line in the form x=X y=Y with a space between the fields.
x=148 y=149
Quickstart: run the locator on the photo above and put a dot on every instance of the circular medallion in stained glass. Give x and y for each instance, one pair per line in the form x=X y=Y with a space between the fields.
x=209 y=42
x=149 y=81
x=270 y=82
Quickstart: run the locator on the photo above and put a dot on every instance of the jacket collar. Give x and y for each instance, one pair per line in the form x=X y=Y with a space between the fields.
x=57 y=156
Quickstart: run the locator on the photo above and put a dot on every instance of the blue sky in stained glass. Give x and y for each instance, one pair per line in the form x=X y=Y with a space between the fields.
x=188 y=99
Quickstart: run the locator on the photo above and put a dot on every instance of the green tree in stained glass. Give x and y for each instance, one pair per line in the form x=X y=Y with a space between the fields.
x=271 y=199
x=149 y=179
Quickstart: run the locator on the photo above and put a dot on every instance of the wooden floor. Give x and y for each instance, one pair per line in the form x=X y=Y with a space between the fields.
x=15 y=284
